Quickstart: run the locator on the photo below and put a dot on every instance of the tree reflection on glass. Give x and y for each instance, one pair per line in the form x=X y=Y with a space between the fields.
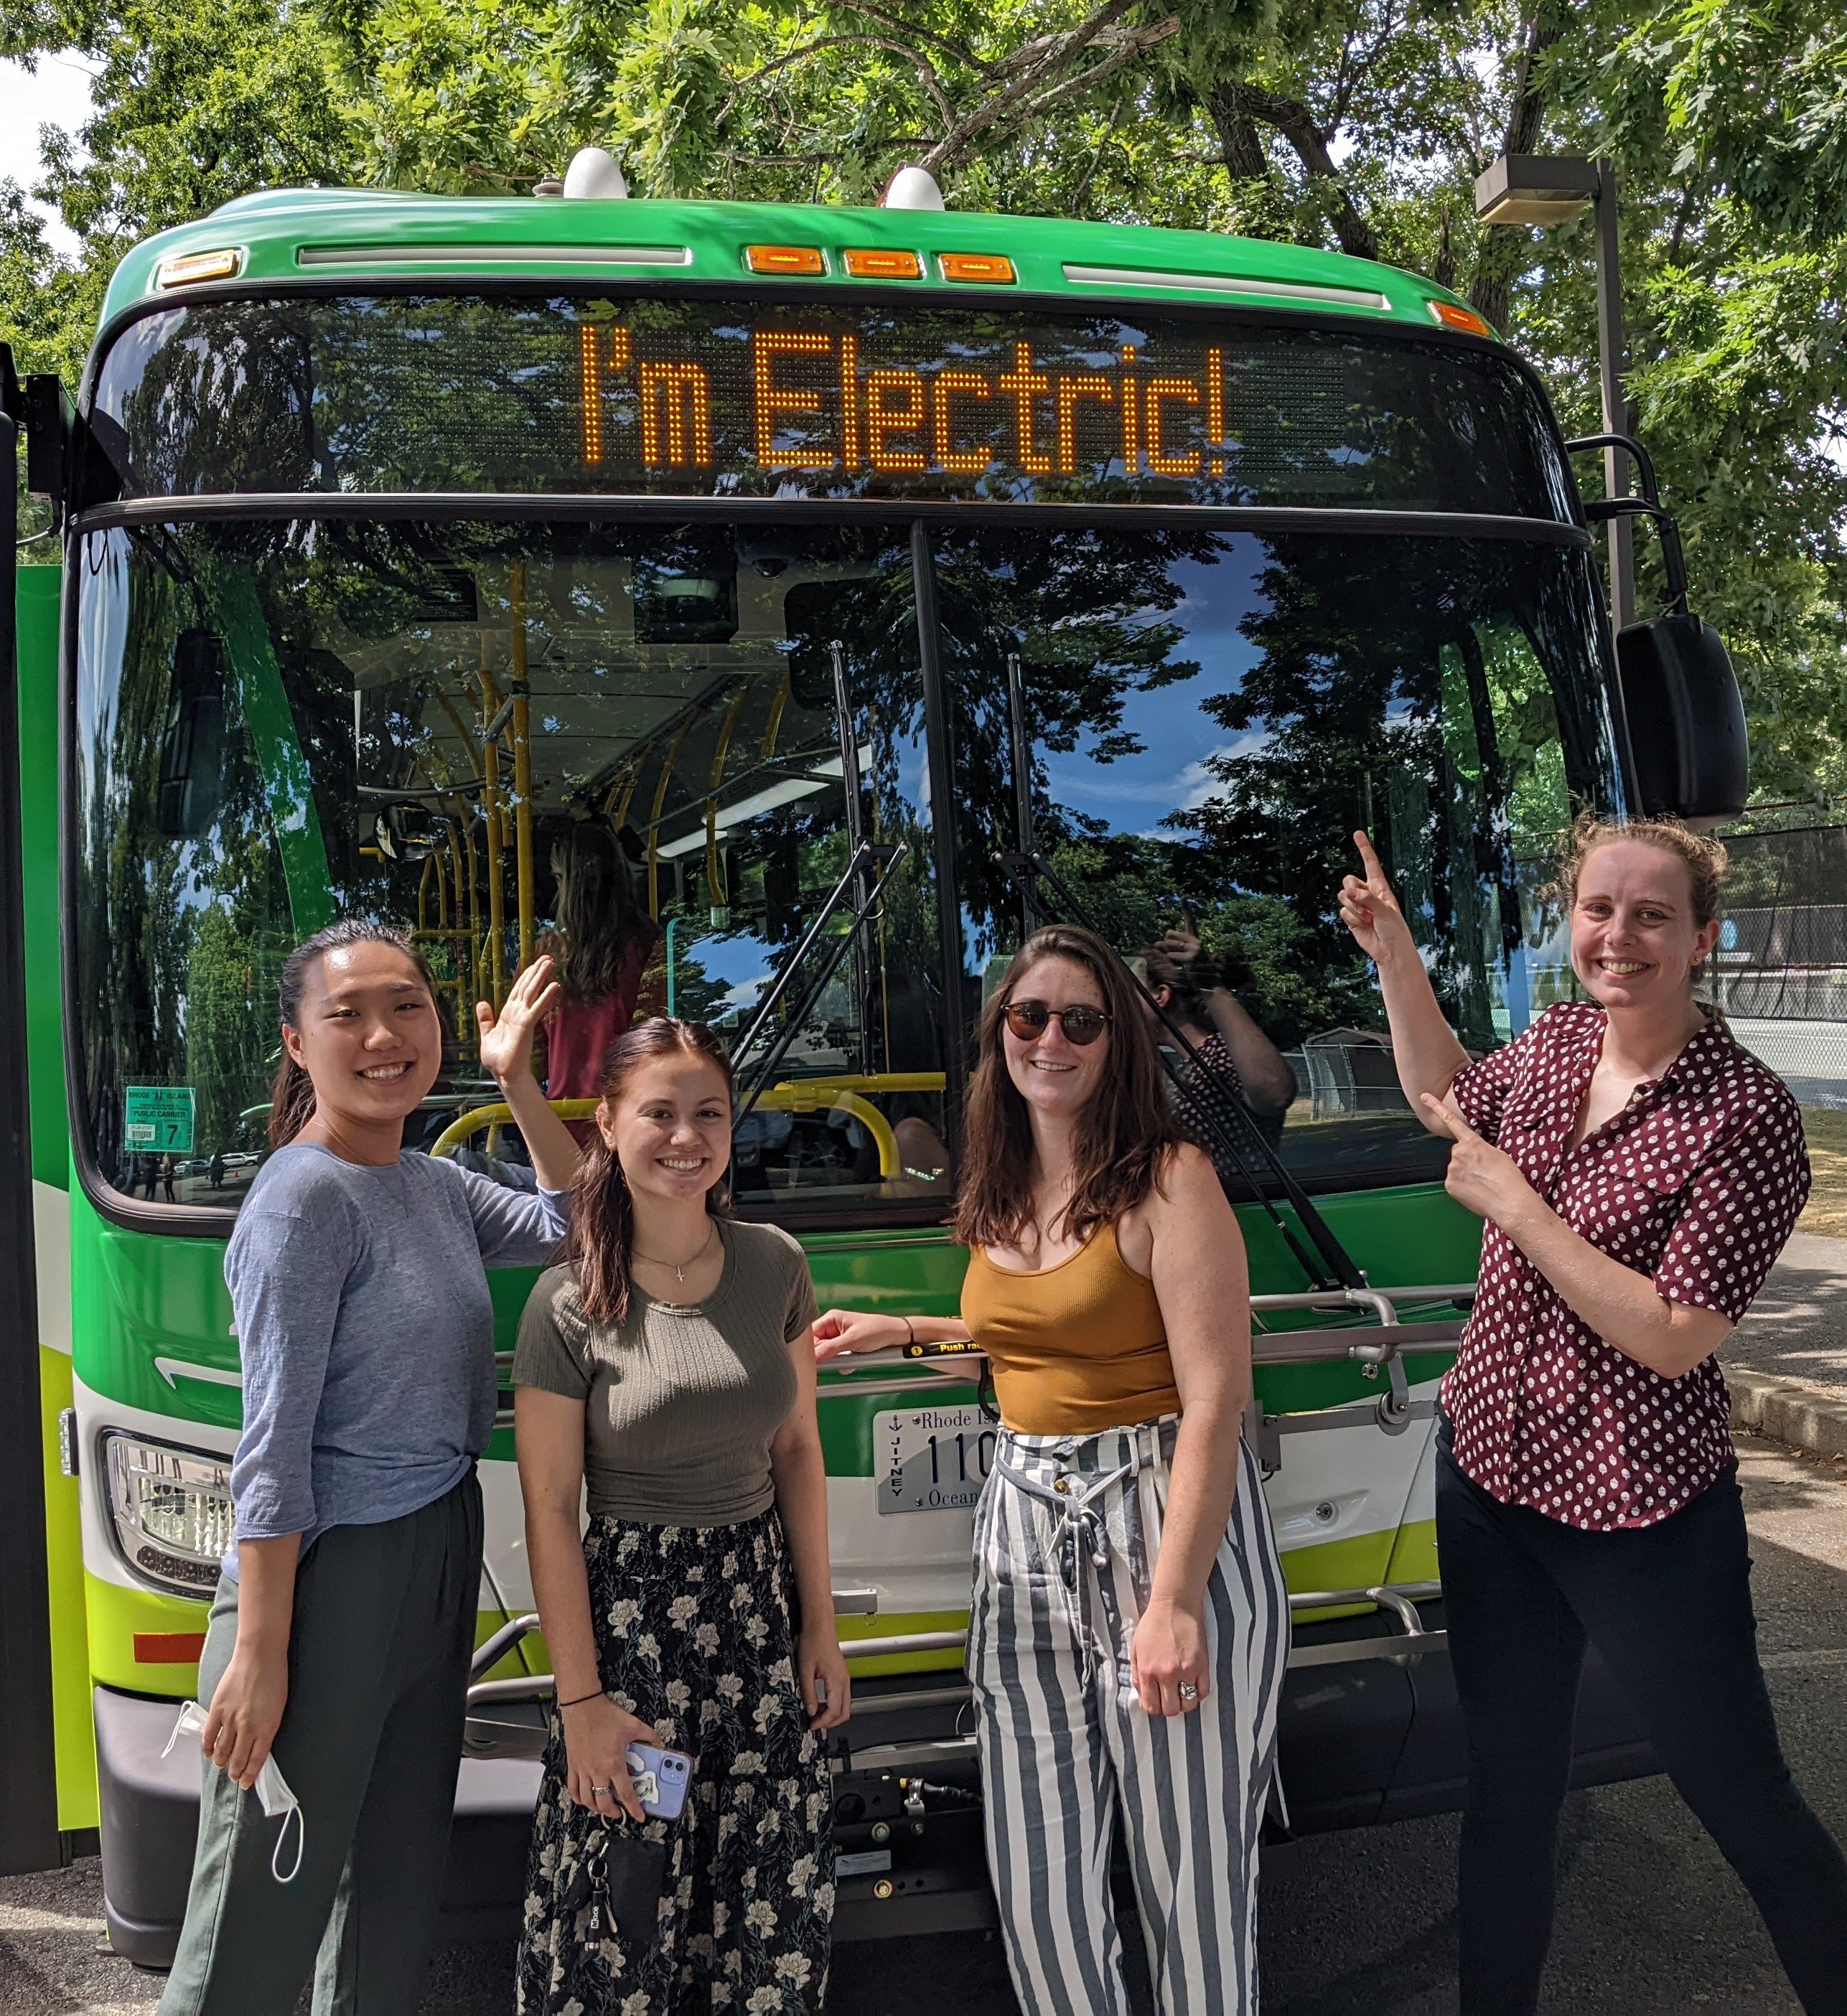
x=1213 y=714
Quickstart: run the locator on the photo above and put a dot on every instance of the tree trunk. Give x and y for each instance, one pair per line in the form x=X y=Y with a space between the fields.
x=1234 y=104
x=1245 y=160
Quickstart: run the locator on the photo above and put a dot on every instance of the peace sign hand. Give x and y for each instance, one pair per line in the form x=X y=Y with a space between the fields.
x=1369 y=910
x=1480 y=1177
x=506 y=1039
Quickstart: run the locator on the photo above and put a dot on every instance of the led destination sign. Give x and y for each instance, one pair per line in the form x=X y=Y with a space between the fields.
x=812 y=401
x=514 y=393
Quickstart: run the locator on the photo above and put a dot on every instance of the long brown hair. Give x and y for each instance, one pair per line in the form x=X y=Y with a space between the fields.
x=1124 y=1136
x=292 y=1093
x=599 y=922
x=598 y=1247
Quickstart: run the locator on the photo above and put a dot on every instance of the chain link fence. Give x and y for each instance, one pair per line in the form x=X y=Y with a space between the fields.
x=1781 y=970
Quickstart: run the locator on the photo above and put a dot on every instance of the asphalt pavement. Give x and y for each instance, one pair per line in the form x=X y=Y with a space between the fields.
x=1797 y=1328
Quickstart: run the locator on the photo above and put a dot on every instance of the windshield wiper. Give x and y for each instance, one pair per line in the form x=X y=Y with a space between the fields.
x=855 y=812
x=865 y=856
x=1339 y=1269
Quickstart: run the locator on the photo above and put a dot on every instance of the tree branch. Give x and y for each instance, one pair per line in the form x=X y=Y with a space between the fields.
x=1503 y=251
x=1044 y=84
x=1076 y=87
x=1295 y=123
x=1241 y=145
x=902 y=27
x=926 y=71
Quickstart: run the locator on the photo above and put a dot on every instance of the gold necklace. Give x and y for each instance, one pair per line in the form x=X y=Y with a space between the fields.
x=679 y=1267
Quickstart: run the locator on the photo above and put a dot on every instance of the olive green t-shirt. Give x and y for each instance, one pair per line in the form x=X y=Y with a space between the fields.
x=681 y=1400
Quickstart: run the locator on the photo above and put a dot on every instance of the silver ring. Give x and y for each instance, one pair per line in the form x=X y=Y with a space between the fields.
x=1187 y=1691
x=603 y=1791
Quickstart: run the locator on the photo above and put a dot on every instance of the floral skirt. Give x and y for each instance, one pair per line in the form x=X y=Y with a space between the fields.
x=693 y=1635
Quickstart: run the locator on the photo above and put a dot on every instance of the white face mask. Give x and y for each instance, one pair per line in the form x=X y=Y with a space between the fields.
x=271 y=1789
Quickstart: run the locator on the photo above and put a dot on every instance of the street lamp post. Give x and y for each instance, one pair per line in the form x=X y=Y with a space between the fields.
x=1549 y=188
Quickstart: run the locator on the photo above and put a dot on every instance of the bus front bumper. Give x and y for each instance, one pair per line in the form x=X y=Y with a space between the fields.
x=1369 y=1731
x=150 y=1827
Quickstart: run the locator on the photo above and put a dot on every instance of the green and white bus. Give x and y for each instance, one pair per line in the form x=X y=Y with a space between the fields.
x=883 y=578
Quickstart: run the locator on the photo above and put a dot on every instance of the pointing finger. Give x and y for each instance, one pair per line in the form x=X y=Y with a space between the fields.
x=1452 y=1122
x=1375 y=870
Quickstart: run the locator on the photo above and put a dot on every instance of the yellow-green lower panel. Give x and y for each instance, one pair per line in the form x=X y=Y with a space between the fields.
x=1363 y=1561
x=73 y=1734
x=904 y=1625
x=119 y=1617
x=1414 y=1558
x=1359 y=1561
x=132 y=1631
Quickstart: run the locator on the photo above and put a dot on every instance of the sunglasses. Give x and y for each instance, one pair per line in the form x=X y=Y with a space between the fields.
x=1081 y=1025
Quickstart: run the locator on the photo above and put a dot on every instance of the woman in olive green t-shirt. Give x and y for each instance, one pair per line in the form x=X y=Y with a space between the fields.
x=666 y=1371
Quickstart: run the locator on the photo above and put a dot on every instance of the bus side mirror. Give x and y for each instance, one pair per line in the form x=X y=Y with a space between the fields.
x=408 y=831
x=1681 y=704
x=1685 y=717
x=49 y=419
x=192 y=749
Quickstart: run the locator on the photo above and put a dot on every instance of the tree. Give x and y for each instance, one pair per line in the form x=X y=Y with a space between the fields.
x=1356 y=124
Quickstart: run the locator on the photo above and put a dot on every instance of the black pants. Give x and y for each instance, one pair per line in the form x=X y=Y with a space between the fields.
x=1668 y=1607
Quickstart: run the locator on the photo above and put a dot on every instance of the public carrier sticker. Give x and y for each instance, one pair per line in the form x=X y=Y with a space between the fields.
x=931 y=1459
x=158 y=1118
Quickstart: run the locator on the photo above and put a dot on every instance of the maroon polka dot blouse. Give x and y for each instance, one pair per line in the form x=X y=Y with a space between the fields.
x=1696 y=1183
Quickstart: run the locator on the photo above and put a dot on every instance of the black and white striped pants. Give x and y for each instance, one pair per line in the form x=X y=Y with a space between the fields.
x=1066 y=1536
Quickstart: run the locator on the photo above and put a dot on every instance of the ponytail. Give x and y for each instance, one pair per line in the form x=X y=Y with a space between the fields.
x=601 y=1242
x=599 y=1248
x=291 y=1101
x=292 y=1093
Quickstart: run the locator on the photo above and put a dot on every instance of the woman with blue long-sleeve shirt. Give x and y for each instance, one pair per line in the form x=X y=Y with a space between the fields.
x=341 y=1632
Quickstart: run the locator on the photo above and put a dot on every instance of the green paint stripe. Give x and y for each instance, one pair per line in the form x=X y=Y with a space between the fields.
x=37 y=602
x=287 y=784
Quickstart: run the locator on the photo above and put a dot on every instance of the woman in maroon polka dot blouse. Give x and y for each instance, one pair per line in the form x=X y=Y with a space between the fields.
x=1639 y=1173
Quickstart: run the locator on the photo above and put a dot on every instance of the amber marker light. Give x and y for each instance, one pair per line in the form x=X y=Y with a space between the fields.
x=194 y=267
x=799 y=260
x=1452 y=317
x=994 y=268
x=871 y=263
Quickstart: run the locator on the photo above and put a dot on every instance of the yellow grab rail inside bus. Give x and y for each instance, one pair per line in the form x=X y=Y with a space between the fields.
x=844 y=1093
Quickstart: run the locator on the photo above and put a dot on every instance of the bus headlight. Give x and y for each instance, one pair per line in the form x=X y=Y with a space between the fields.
x=172 y=1511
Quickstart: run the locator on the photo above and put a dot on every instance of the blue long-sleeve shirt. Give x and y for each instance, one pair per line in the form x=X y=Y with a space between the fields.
x=367 y=1333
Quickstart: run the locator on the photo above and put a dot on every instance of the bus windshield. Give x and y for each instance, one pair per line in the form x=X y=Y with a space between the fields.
x=1206 y=719
x=280 y=721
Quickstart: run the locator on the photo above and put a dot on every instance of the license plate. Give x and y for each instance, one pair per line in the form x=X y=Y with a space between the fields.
x=931 y=1459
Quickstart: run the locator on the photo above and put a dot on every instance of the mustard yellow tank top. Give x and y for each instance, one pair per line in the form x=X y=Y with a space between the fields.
x=1076 y=1347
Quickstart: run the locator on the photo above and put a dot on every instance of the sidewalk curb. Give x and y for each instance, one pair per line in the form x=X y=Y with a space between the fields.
x=1814 y=1418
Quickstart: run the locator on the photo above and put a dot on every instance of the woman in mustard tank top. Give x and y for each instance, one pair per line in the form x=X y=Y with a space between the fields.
x=1129 y=1626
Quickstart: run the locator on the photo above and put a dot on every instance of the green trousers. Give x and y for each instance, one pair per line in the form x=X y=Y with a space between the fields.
x=370 y=1740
